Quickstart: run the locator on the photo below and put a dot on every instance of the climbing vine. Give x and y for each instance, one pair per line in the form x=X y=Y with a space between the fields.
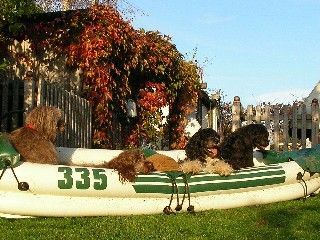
x=149 y=128
x=119 y=63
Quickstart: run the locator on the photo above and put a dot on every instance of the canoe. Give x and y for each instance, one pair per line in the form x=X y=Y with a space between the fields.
x=74 y=190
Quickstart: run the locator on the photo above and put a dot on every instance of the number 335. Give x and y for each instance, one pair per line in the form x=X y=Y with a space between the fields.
x=83 y=178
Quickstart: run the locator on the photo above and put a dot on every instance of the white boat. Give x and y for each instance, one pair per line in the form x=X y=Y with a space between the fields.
x=71 y=191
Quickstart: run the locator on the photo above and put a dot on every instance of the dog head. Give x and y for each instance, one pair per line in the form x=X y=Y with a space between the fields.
x=202 y=144
x=209 y=140
x=46 y=120
x=258 y=135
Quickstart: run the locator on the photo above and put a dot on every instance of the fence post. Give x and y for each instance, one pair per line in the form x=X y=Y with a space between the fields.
x=267 y=117
x=276 y=126
x=285 y=128
x=303 y=125
x=258 y=114
x=315 y=121
x=41 y=93
x=4 y=105
x=28 y=93
x=236 y=112
x=15 y=104
x=249 y=114
x=294 y=126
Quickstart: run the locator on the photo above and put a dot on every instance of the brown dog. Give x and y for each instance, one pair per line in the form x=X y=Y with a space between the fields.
x=133 y=161
x=129 y=163
x=163 y=163
x=35 y=140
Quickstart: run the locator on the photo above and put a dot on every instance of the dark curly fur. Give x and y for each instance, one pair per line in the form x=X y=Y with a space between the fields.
x=237 y=148
x=203 y=144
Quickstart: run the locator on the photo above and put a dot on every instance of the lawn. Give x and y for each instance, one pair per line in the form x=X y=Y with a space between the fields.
x=295 y=219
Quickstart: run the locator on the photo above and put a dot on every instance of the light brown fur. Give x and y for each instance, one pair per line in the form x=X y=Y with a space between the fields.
x=129 y=163
x=133 y=161
x=212 y=165
x=193 y=167
x=163 y=163
x=35 y=140
x=215 y=165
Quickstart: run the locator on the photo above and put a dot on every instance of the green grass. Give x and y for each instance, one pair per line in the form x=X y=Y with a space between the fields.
x=296 y=219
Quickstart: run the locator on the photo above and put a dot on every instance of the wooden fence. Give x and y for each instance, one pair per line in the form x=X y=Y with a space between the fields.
x=12 y=104
x=290 y=126
x=18 y=97
x=76 y=112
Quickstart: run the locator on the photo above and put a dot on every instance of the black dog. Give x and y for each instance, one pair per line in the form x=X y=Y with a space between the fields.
x=203 y=144
x=237 y=148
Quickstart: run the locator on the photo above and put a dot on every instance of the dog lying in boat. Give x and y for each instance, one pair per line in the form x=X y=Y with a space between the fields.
x=133 y=161
x=237 y=148
x=202 y=151
x=35 y=140
x=129 y=163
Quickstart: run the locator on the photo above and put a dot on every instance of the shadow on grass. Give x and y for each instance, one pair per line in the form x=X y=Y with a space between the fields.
x=292 y=220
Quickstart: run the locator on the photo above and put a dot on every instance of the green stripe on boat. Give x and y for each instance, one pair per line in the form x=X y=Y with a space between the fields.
x=256 y=172
x=207 y=177
x=253 y=177
x=211 y=186
x=245 y=170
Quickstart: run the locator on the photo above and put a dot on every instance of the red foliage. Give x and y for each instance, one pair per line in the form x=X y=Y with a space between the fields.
x=153 y=97
x=149 y=127
x=118 y=63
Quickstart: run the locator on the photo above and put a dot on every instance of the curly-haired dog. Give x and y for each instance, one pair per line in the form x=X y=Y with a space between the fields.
x=129 y=163
x=163 y=163
x=202 y=153
x=203 y=144
x=133 y=161
x=35 y=140
x=237 y=148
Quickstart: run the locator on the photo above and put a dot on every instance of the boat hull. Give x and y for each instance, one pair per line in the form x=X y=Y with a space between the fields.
x=71 y=191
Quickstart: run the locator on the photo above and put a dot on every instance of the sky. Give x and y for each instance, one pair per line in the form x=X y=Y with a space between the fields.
x=260 y=50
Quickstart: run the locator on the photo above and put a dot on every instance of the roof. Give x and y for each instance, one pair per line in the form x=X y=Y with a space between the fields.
x=314 y=94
